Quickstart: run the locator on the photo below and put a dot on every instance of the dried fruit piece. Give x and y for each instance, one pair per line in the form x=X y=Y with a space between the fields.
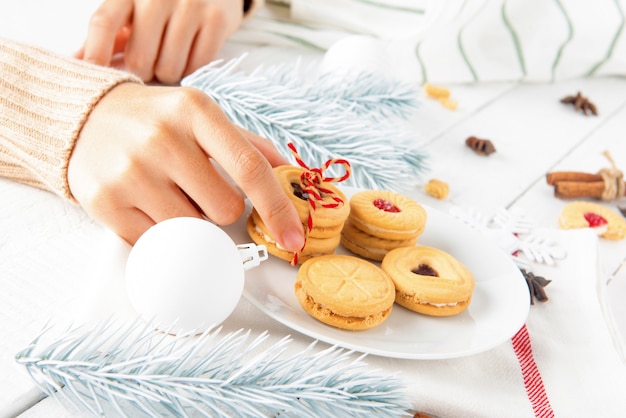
x=449 y=103
x=480 y=146
x=437 y=188
x=441 y=94
x=436 y=92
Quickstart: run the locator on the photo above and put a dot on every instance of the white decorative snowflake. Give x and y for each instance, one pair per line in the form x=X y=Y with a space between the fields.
x=514 y=234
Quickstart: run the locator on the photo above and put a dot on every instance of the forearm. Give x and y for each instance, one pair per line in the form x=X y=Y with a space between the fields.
x=44 y=101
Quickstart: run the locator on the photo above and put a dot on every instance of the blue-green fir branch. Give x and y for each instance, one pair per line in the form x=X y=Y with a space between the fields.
x=323 y=119
x=364 y=93
x=126 y=370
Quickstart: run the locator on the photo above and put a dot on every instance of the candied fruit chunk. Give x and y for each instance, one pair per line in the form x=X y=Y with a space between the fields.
x=436 y=92
x=594 y=220
x=386 y=205
x=425 y=270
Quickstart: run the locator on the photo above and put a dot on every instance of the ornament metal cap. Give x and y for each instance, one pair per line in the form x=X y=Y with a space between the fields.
x=252 y=255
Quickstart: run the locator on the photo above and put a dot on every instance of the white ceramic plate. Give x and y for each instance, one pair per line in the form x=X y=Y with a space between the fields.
x=498 y=309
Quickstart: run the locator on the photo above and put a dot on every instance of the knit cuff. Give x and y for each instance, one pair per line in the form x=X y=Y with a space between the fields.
x=45 y=100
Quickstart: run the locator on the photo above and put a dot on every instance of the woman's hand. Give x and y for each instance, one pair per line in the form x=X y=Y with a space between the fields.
x=149 y=153
x=162 y=40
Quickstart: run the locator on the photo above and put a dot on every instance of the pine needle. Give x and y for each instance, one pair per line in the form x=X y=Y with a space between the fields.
x=326 y=117
x=134 y=368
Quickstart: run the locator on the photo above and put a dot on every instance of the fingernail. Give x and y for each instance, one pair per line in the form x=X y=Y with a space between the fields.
x=292 y=240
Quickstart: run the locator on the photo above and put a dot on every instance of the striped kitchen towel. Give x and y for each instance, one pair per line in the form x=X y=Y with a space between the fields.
x=454 y=41
x=566 y=361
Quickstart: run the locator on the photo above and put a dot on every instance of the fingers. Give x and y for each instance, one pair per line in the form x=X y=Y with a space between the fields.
x=207 y=45
x=130 y=224
x=163 y=200
x=121 y=40
x=163 y=40
x=254 y=175
x=103 y=28
x=148 y=28
x=266 y=148
x=219 y=19
x=146 y=154
x=130 y=211
x=194 y=36
x=178 y=40
x=214 y=194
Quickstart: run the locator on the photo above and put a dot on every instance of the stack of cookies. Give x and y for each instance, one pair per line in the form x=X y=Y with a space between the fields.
x=380 y=221
x=326 y=222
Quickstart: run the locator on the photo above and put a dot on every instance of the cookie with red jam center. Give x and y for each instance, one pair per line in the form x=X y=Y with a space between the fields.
x=381 y=220
x=606 y=222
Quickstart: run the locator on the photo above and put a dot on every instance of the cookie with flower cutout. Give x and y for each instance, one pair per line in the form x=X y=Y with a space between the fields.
x=606 y=222
x=345 y=292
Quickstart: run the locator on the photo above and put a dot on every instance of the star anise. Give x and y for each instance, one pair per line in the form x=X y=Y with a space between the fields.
x=536 y=286
x=580 y=102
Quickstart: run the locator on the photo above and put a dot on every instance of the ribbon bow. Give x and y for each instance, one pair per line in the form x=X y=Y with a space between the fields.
x=311 y=183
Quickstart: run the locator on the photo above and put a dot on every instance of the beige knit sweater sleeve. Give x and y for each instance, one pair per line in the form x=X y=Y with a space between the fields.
x=44 y=101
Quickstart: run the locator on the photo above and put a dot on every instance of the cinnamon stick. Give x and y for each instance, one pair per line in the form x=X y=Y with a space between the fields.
x=606 y=184
x=575 y=189
x=558 y=176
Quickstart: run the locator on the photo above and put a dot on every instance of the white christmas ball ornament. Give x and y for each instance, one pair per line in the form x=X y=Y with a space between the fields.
x=184 y=275
x=357 y=53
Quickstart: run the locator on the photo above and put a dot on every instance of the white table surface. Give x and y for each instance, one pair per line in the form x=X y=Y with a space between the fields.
x=46 y=244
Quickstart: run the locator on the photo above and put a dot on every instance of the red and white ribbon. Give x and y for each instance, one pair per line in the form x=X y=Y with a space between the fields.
x=311 y=182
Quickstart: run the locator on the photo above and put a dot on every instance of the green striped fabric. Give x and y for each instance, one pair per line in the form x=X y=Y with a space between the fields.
x=456 y=41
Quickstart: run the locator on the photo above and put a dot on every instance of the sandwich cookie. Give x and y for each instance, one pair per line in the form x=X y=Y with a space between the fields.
x=381 y=220
x=321 y=207
x=606 y=222
x=429 y=281
x=345 y=292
